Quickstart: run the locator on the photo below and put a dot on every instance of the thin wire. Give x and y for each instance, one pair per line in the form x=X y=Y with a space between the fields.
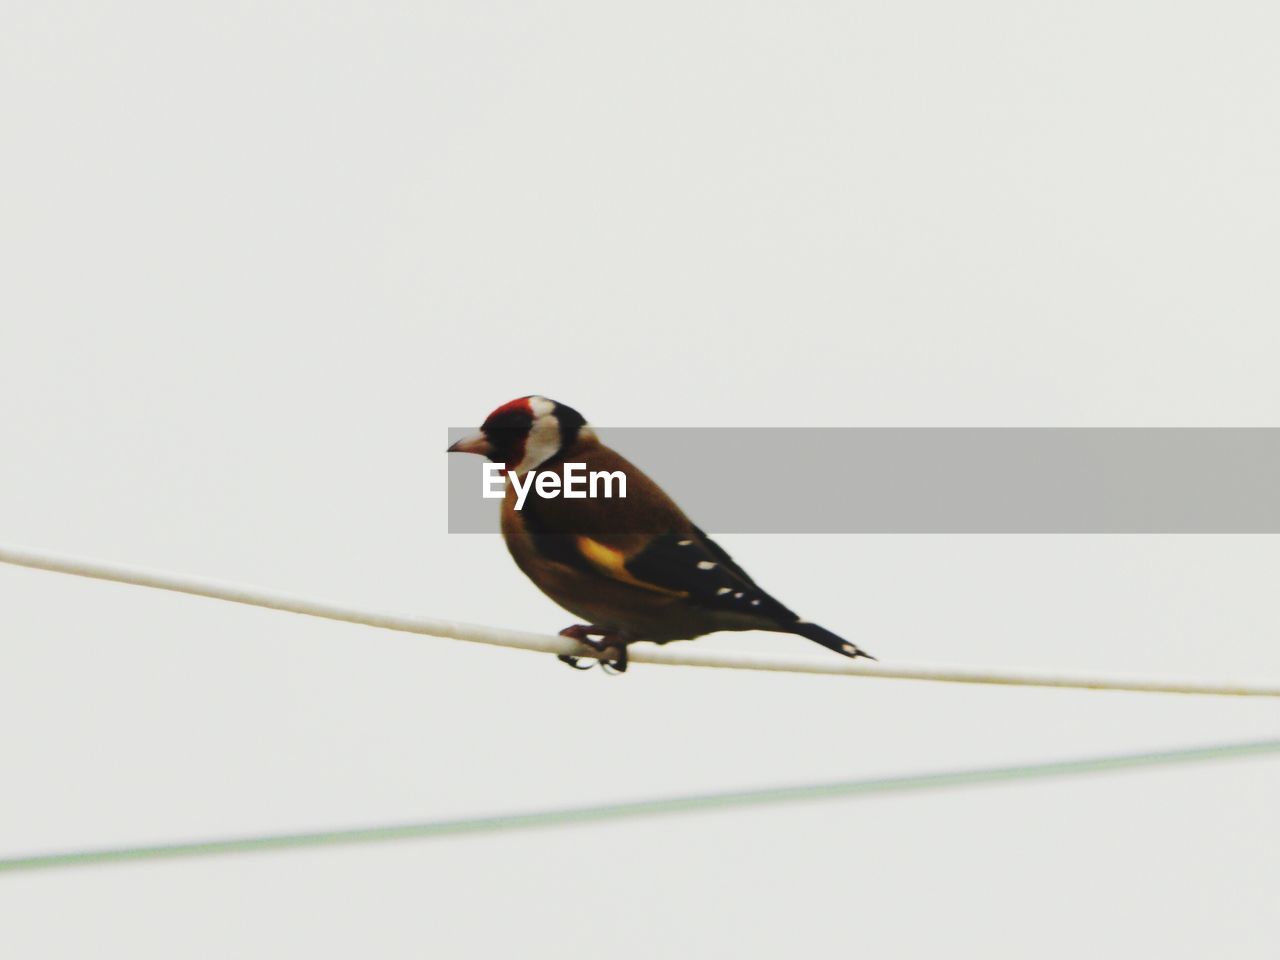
x=670 y=656
x=646 y=808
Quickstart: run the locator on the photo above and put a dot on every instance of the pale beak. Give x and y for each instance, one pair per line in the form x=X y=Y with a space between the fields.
x=476 y=443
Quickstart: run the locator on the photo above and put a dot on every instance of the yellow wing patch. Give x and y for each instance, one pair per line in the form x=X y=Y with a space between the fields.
x=612 y=563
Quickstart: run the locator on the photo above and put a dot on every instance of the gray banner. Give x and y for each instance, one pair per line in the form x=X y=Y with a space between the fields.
x=979 y=480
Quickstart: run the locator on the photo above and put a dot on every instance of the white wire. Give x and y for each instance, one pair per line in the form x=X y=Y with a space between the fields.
x=686 y=656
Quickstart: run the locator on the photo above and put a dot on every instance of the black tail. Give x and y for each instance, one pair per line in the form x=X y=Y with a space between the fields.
x=828 y=639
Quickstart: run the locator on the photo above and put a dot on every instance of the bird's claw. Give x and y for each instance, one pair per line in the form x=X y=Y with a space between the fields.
x=585 y=635
x=615 y=667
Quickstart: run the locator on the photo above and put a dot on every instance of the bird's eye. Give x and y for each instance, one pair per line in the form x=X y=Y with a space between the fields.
x=503 y=438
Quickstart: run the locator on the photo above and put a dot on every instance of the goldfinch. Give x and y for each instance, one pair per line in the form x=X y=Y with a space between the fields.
x=635 y=567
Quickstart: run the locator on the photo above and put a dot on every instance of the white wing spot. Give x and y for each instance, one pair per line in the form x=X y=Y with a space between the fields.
x=722 y=591
x=755 y=603
x=849 y=648
x=706 y=565
x=684 y=543
x=737 y=596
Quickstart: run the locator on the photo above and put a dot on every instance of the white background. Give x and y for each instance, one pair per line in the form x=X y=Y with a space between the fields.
x=255 y=257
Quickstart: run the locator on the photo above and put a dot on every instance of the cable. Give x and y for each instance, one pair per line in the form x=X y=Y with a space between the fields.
x=671 y=656
x=646 y=808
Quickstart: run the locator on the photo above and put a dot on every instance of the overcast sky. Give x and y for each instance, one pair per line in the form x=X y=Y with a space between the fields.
x=255 y=258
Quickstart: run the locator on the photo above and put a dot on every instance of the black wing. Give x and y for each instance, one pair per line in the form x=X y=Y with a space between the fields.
x=696 y=565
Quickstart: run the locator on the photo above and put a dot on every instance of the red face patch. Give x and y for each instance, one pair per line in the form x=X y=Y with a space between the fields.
x=507 y=430
x=518 y=406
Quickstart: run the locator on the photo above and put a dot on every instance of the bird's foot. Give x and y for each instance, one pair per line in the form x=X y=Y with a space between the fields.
x=584 y=634
x=617 y=665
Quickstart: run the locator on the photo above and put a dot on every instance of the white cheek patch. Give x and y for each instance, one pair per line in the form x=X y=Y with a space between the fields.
x=543 y=441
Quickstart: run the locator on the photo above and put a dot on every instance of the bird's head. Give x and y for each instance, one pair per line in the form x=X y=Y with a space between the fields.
x=525 y=433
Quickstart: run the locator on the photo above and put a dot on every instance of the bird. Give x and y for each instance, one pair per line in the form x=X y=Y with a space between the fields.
x=635 y=567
